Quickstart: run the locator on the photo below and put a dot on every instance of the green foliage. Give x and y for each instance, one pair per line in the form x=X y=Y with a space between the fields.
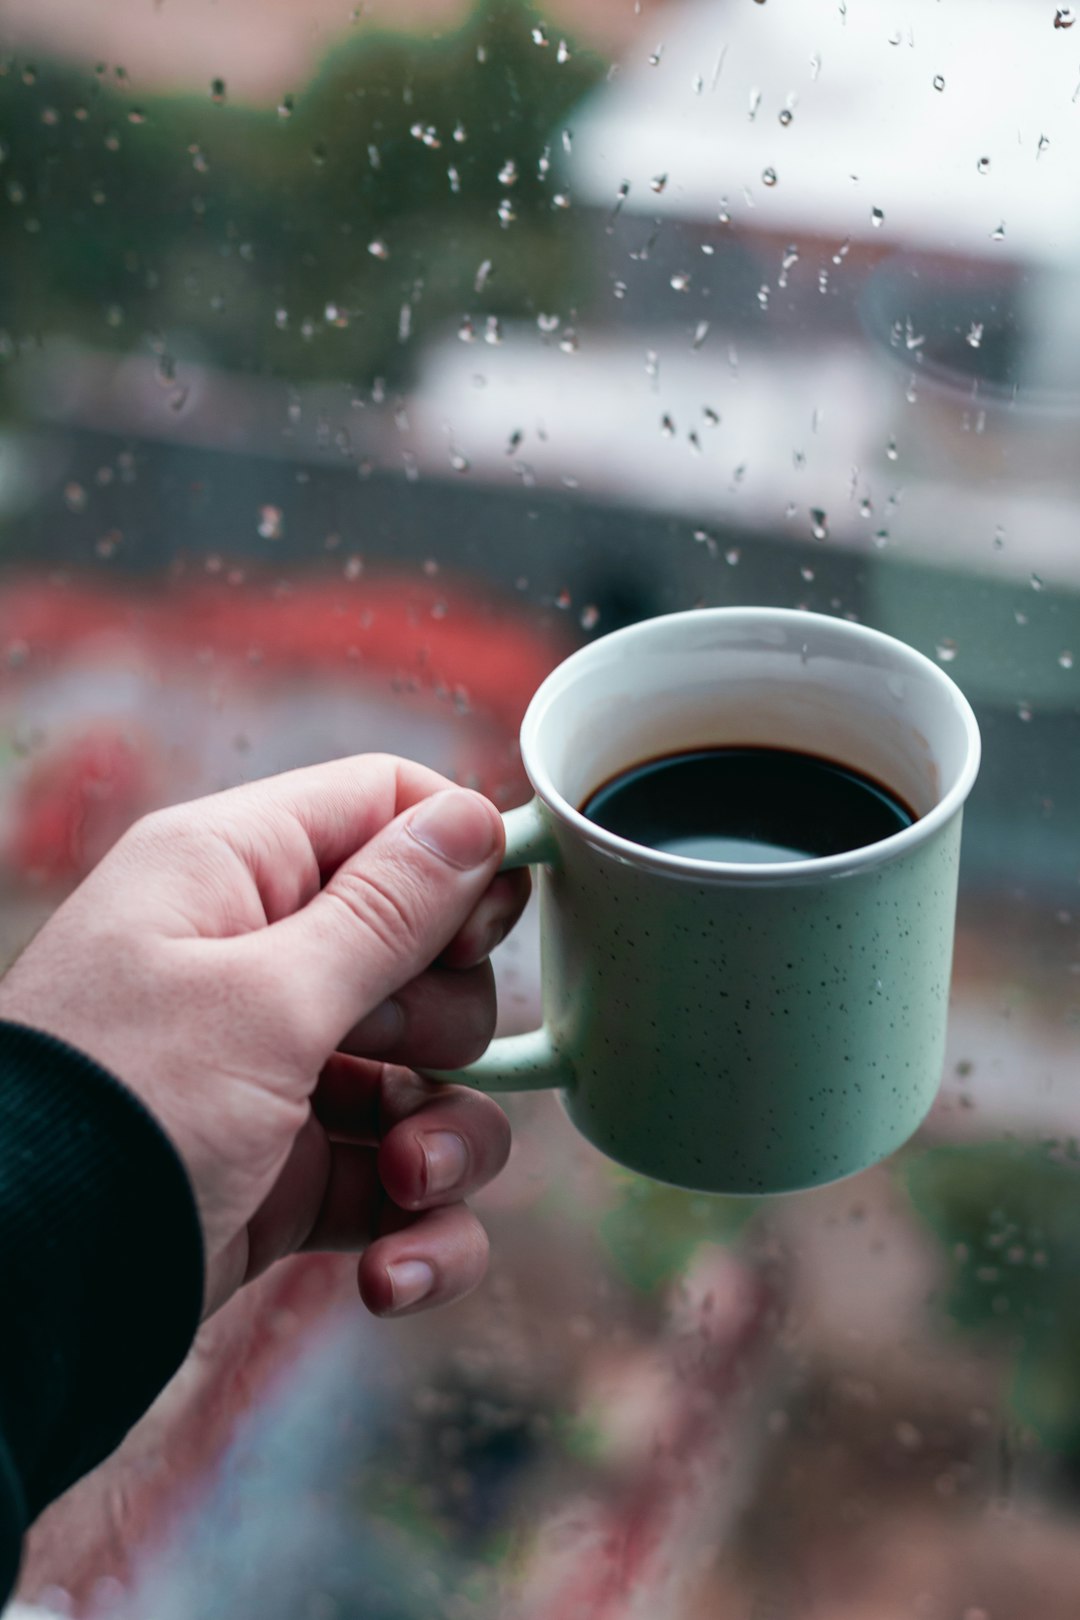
x=654 y=1230
x=1008 y=1215
x=199 y=220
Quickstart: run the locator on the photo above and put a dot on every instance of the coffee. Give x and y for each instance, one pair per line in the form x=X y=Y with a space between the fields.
x=746 y=804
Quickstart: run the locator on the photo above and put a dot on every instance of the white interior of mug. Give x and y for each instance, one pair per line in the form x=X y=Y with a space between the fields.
x=753 y=676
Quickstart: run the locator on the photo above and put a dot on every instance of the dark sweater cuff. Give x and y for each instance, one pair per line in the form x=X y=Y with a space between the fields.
x=101 y=1267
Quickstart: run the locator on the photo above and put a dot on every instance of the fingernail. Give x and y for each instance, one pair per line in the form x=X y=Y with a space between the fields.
x=457 y=826
x=383 y=1027
x=446 y=1159
x=410 y=1282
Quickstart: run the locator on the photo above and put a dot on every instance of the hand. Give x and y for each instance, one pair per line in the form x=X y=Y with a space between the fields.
x=254 y=965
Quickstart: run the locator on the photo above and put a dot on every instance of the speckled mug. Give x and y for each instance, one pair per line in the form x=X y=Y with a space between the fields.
x=731 y=1027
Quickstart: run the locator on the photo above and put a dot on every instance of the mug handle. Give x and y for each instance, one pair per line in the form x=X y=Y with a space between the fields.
x=526 y=1062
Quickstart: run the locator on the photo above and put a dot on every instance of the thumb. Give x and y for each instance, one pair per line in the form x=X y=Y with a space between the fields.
x=388 y=911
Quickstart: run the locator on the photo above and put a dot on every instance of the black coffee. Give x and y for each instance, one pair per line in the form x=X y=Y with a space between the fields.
x=747 y=804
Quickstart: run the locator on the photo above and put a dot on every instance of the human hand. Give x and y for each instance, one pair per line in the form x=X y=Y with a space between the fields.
x=255 y=966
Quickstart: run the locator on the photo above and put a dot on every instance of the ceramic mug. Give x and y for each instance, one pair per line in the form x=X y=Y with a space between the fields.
x=733 y=1027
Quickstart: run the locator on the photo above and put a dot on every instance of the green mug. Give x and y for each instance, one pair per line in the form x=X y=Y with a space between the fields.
x=732 y=1027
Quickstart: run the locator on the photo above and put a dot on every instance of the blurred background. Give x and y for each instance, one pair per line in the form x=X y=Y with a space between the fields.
x=358 y=362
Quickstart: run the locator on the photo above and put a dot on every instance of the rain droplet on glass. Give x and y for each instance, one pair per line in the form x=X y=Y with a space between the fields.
x=271 y=524
x=819 y=523
x=378 y=249
x=658 y=182
x=974 y=334
x=1065 y=659
x=946 y=650
x=539 y=37
x=667 y=426
x=568 y=343
x=939 y=81
x=1064 y=17
x=983 y=165
x=217 y=90
x=877 y=218
x=590 y=616
x=891 y=450
x=768 y=177
x=712 y=418
x=785 y=116
x=701 y=332
x=547 y=323
x=492 y=331
x=483 y=275
x=285 y=106
x=562 y=54
x=459 y=461
x=680 y=281
x=508 y=174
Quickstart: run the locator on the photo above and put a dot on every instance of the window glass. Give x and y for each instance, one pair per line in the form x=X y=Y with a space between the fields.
x=355 y=366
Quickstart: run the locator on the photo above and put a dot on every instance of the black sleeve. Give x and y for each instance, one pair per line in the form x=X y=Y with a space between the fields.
x=101 y=1271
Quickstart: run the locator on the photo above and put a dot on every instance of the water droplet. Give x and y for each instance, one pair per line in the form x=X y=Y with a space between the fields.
x=564 y=599
x=819 y=523
x=974 y=334
x=732 y=555
x=680 y=281
x=786 y=115
x=1044 y=142
x=539 y=37
x=755 y=103
x=619 y=289
x=378 y=249
x=561 y=199
x=492 y=331
x=701 y=332
x=459 y=133
x=939 y=81
x=1037 y=582
x=271 y=525
x=946 y=650
x=75 y=497
x=135 y=116
x=1023 y=710
x=1064 y=17
x=655 y=57
x=704 y=538
x=998 y=235
x=459 y=461
x=763 y=295
x=881 y=539
x=508 y=174
x=768 y=177
x=506 y=212
x=568 y=343
x=712 y=417
x=983 y=165
x=563 y=52
x=285 y=106
x=1065 y=659
x=590 y=616
x=318 y=154
x=877 y=218
x=217 y=90
x=547 y=323
x=667 y=426
x=891 y=451
x=658 y=182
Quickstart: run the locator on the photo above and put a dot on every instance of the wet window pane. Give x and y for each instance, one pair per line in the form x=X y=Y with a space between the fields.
x=356 y=365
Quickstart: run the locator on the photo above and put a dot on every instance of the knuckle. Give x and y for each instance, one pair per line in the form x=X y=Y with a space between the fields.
x=389 y=912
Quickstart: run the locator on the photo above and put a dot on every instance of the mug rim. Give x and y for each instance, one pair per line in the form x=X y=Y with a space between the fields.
x=812 y=869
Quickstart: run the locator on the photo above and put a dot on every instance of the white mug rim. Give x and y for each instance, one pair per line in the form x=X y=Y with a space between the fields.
x=814 y=869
